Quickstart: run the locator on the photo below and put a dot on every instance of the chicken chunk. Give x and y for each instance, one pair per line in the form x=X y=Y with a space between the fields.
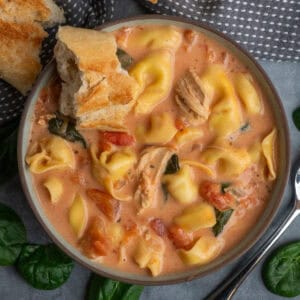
x=191 y=99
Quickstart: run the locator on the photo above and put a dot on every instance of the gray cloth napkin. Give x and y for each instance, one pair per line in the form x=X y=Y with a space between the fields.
x=269 y=29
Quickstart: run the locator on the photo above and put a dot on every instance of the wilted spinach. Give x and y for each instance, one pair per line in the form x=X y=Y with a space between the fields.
x=125 y=59
x=8 y=151
x=281 y=271
x=12 y=235
x=65 y=128
x=45 y=267
x=106 y=289
x=224 y=186
x=172 y=165
x=222 y=219
x=245 y=127
x=171 y=168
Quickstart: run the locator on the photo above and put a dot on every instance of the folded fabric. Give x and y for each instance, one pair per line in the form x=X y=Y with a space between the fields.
x=268 y=29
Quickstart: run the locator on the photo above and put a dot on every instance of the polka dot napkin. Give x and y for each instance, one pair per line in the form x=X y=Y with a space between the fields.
x=269 y=29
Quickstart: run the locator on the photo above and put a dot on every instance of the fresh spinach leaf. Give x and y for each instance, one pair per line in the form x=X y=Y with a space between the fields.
x=65 y=128
x=45 y=267
x=12 y=235
x=224 y=186
x=281 y=271
x=8 y=151
x=245 y=127
x=172 y=165
x=222 y=219
x=125 y=59
x=296 y=117
x=165 y=191
x=106 y=289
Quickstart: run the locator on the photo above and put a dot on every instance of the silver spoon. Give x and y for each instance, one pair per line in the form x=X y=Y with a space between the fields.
x=228 y=289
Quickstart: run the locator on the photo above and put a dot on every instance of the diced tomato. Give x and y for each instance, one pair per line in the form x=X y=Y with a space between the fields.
x=94 y=243
x=118 y=138
x=109 y=206
x=158 y=226
x=212 y=193
x=179 y=237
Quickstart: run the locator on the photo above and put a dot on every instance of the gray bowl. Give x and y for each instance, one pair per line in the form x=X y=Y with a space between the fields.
x=263 y=222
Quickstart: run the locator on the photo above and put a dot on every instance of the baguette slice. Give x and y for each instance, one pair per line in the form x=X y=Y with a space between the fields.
x=95 y=89
x=19 y=53
x=44 y=11
x=21 y=36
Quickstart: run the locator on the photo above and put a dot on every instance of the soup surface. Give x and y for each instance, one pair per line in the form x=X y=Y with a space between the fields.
x=185 y=182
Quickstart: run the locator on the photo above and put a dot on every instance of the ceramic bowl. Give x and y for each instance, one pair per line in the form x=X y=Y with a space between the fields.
x=261 y=225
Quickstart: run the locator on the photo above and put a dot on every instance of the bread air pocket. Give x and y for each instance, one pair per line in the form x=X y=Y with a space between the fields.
x=154 y=75
x=48 y=154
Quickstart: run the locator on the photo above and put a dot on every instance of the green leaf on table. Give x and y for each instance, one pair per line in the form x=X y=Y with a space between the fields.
x=281 y=271
x=125 y=59
x=296 y=117
x=8 y=151
x=222 y=219
x=12 y=235
x=66 y=128
x=101 y=288
x=44 y=267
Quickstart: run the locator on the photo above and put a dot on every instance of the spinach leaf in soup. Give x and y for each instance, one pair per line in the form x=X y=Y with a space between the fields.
x=44 y=267
x=172 y=165
x=66 y=128
x=12 y=235
x=281 y=271
x=245 y=127
x=125 y=59
x=296 y=117
x=224 y=186
x=106 y=289
x=8 y=151
x=222 y=219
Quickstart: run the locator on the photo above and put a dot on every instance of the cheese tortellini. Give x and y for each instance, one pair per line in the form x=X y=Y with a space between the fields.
x=149 y=253
x=181 y=185
x=229 y=161
x=268 y=145
x=154 y=75
x=188 y=135
x=54 y=187
x=78 y=215
x=247 y=93
x=162 y=129
x=51 y=153
x=225 y=116
x=110 y=167
x=157 y=38
x=204 y=250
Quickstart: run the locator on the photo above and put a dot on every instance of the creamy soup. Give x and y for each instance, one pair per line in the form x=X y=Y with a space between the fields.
x=189 y=177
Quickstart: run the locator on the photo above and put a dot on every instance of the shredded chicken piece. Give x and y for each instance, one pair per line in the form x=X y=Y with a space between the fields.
x=190 y=98
x=151 y=166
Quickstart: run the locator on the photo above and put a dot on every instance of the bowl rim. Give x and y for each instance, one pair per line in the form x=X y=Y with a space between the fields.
x=155 y=280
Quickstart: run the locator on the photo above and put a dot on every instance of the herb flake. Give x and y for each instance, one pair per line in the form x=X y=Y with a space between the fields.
x=222 y=219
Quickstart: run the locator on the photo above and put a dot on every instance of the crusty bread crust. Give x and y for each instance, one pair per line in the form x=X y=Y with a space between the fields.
x=19 y=53
x=21 y=36
x=95 y=90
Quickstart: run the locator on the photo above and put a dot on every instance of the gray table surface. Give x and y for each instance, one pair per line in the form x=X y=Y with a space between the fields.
x=286 y=78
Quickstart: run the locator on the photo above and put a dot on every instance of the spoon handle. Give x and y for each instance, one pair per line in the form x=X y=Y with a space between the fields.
x=228 y=289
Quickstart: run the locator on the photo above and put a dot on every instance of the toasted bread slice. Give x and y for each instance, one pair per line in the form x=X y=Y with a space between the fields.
x=95 y=90
x=21 y=35
x=44 y=11
x=19 y=53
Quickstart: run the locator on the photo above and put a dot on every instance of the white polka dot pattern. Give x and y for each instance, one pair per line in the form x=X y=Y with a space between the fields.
x=81 y=13
x=269 y=29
